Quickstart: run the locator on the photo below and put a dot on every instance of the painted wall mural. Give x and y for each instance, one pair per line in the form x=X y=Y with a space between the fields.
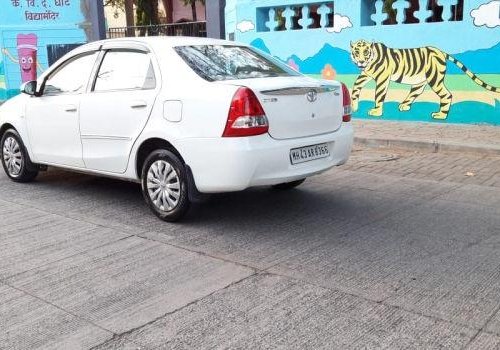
x=417 y=67
x=426 y=60
x=35 y=33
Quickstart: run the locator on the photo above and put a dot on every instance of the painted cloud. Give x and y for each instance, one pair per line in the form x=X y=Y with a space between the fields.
x=339 y=23
x=487 y=14
x=245 y=26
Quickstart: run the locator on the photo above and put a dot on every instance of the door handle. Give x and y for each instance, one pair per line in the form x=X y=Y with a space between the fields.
x=70 y=108
x=138 y=104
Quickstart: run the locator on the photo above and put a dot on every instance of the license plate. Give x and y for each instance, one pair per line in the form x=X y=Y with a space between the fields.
x=308 y=153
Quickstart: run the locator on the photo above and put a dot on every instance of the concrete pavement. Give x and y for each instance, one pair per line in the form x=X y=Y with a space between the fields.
x=364 y=256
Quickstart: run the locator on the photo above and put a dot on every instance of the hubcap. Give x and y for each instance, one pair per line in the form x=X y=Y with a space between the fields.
x=163 y=185
x=12 y=156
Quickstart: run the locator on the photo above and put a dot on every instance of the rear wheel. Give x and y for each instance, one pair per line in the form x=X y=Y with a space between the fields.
x=165 y=185
x=288 y=185
x=15 y=159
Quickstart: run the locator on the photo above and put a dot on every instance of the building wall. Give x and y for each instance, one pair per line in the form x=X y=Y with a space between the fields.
x=116 y=17
x=184 y=12
x=303 y=34
x=35 y=33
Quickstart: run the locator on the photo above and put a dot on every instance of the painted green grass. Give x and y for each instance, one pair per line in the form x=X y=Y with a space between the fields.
x=467 y=112
x=457 y=82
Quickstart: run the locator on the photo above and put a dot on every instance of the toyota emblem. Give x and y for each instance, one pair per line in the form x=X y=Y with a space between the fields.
x=312 y=96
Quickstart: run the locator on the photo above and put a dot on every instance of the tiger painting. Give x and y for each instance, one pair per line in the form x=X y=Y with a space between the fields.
x=416 y=67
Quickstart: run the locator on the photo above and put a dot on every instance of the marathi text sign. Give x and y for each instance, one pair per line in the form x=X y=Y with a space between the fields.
x=33 y=11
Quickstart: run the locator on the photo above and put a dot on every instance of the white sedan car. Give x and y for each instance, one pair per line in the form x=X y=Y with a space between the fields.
x=182 y=116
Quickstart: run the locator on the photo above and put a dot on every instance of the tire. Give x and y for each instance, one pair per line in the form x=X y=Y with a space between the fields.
x=165 y=185
x=15 y=159
x=288 y=185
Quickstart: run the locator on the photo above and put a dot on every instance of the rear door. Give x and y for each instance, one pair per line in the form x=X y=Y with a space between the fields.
x=113 y=115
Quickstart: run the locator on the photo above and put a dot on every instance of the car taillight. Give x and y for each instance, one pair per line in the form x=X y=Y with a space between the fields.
x=346 y=103
x=246 y=116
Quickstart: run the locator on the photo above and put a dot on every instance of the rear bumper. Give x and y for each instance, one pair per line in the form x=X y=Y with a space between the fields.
x=234 y=164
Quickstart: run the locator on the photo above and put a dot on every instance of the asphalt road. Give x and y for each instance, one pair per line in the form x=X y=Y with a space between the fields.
x=395 y=250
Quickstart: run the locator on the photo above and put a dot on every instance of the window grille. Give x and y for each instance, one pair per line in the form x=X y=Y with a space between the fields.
x=393 y=12
x=295 y=17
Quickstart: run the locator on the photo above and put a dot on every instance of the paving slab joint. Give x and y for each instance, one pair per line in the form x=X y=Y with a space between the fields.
x=117 y=336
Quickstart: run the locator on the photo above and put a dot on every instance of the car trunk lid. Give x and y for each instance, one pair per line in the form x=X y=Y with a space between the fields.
x=297 y=106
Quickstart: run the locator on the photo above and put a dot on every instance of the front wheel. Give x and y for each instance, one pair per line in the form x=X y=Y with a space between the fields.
x=289 y=185
x=165 y=185
x=15 y=159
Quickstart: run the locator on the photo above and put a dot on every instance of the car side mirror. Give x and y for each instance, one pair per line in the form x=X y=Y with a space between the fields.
x=29 y=88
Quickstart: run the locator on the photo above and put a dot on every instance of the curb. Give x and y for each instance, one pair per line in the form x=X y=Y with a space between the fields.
x=429 y=146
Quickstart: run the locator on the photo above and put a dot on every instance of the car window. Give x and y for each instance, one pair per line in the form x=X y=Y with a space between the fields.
x=225 y=62
x=72 y=76
x=125 y=70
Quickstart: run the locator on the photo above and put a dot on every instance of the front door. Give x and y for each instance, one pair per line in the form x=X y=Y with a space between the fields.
x=53 y=118
x=113 y=115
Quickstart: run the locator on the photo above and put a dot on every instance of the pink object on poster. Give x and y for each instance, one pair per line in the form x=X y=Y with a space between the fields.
x=27 y=52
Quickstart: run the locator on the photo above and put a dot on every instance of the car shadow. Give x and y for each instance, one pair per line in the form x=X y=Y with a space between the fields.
x=113 y=200
x=258 y=226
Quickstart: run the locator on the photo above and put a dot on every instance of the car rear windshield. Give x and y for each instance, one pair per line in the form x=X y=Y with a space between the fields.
x=226 y=62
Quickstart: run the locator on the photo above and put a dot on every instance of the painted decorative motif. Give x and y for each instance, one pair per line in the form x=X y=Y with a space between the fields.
x=328 y=73
x=427 y=45
x=417 y=67
x=27 y=56
x=487 y=14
